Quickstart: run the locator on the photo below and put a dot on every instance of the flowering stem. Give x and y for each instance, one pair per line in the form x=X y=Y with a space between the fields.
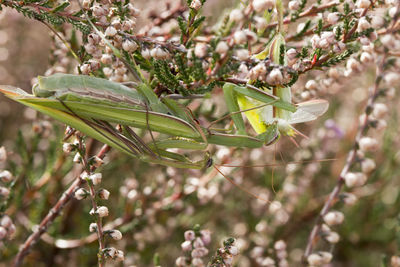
x=52 y=215
x=351 y=158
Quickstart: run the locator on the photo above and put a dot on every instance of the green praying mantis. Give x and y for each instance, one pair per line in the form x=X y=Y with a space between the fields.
x=91 y=105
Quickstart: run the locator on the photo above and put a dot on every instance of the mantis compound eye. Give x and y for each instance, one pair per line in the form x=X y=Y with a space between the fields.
x=209 y=163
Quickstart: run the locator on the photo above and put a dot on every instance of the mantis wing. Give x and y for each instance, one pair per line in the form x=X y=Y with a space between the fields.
x=309 y=111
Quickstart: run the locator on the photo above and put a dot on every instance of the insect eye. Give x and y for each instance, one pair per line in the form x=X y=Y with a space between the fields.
x=209 y=163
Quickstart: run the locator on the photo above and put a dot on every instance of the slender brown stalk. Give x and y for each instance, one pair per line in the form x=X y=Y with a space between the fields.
x=351 y=158
x=52 y=215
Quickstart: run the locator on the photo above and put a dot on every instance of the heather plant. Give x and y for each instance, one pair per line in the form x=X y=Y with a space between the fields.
x=184 y=131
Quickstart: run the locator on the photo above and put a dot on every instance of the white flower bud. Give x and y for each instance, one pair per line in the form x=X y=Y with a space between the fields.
x=107 y=71
x=221 y=48
x=110 y=31
x=333 y=18
x=102 y=211
x=251 y=36
x=93 y=227
x=366 y=57
x=363 y=3
x=199 y=252
x=197 y=262
x=200 y=50
x=291 y=53
x=323 y=43
x=93 y=39
x=387 y=40
x=380 y=110
x=68 y=147
x=180 y=262
x=233 y=250
x=260 y=23
x=280 y=245
x=4 y=192
x=353 y=179
x=363 y=24
x=189 y=235
x=274 y=77
x=349 y=199
x=275 y=206
x=119 y=255
x=129 y=46
x=332 y=237
x=377 y=21
x=85 y=69
x=353 y=64
x=132 y=10
x=6 y=176
x=186 y=246
x=381 y=125
x=294 y=5
x=86 y=4
x=80 y=194
x=96 y=178
x=240 y=37
x=311 y=85
x=326 y=256
x=206 y=236
x=103 y=194
x=98 y=11
x=368 y=165
x=333 y=73
x=196 y=4
x=3 y=232
x=392 y=79
x=269 y=262
x=329 y=37
x=198 y=243
x=395 y=261
x=242 y=54
x=158 y=53
x=236 y=15
x=315 y=41
x=3 y=154
x=368 y=144
x=300 y=27
x=262 y=5
x=110 y=252
x=115 y=234
x=392 y=11
x=314 y=259
x=128 y=25
x=333 y=218
x=339 y=47
x=5 y=221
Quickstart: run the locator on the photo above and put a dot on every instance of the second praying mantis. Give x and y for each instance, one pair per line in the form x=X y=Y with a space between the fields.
x=91 y=104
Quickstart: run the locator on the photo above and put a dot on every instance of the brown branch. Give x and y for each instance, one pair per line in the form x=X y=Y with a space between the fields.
x=52 y=215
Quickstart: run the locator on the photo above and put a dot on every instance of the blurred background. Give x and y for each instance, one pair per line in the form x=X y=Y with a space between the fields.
x=153 y=205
